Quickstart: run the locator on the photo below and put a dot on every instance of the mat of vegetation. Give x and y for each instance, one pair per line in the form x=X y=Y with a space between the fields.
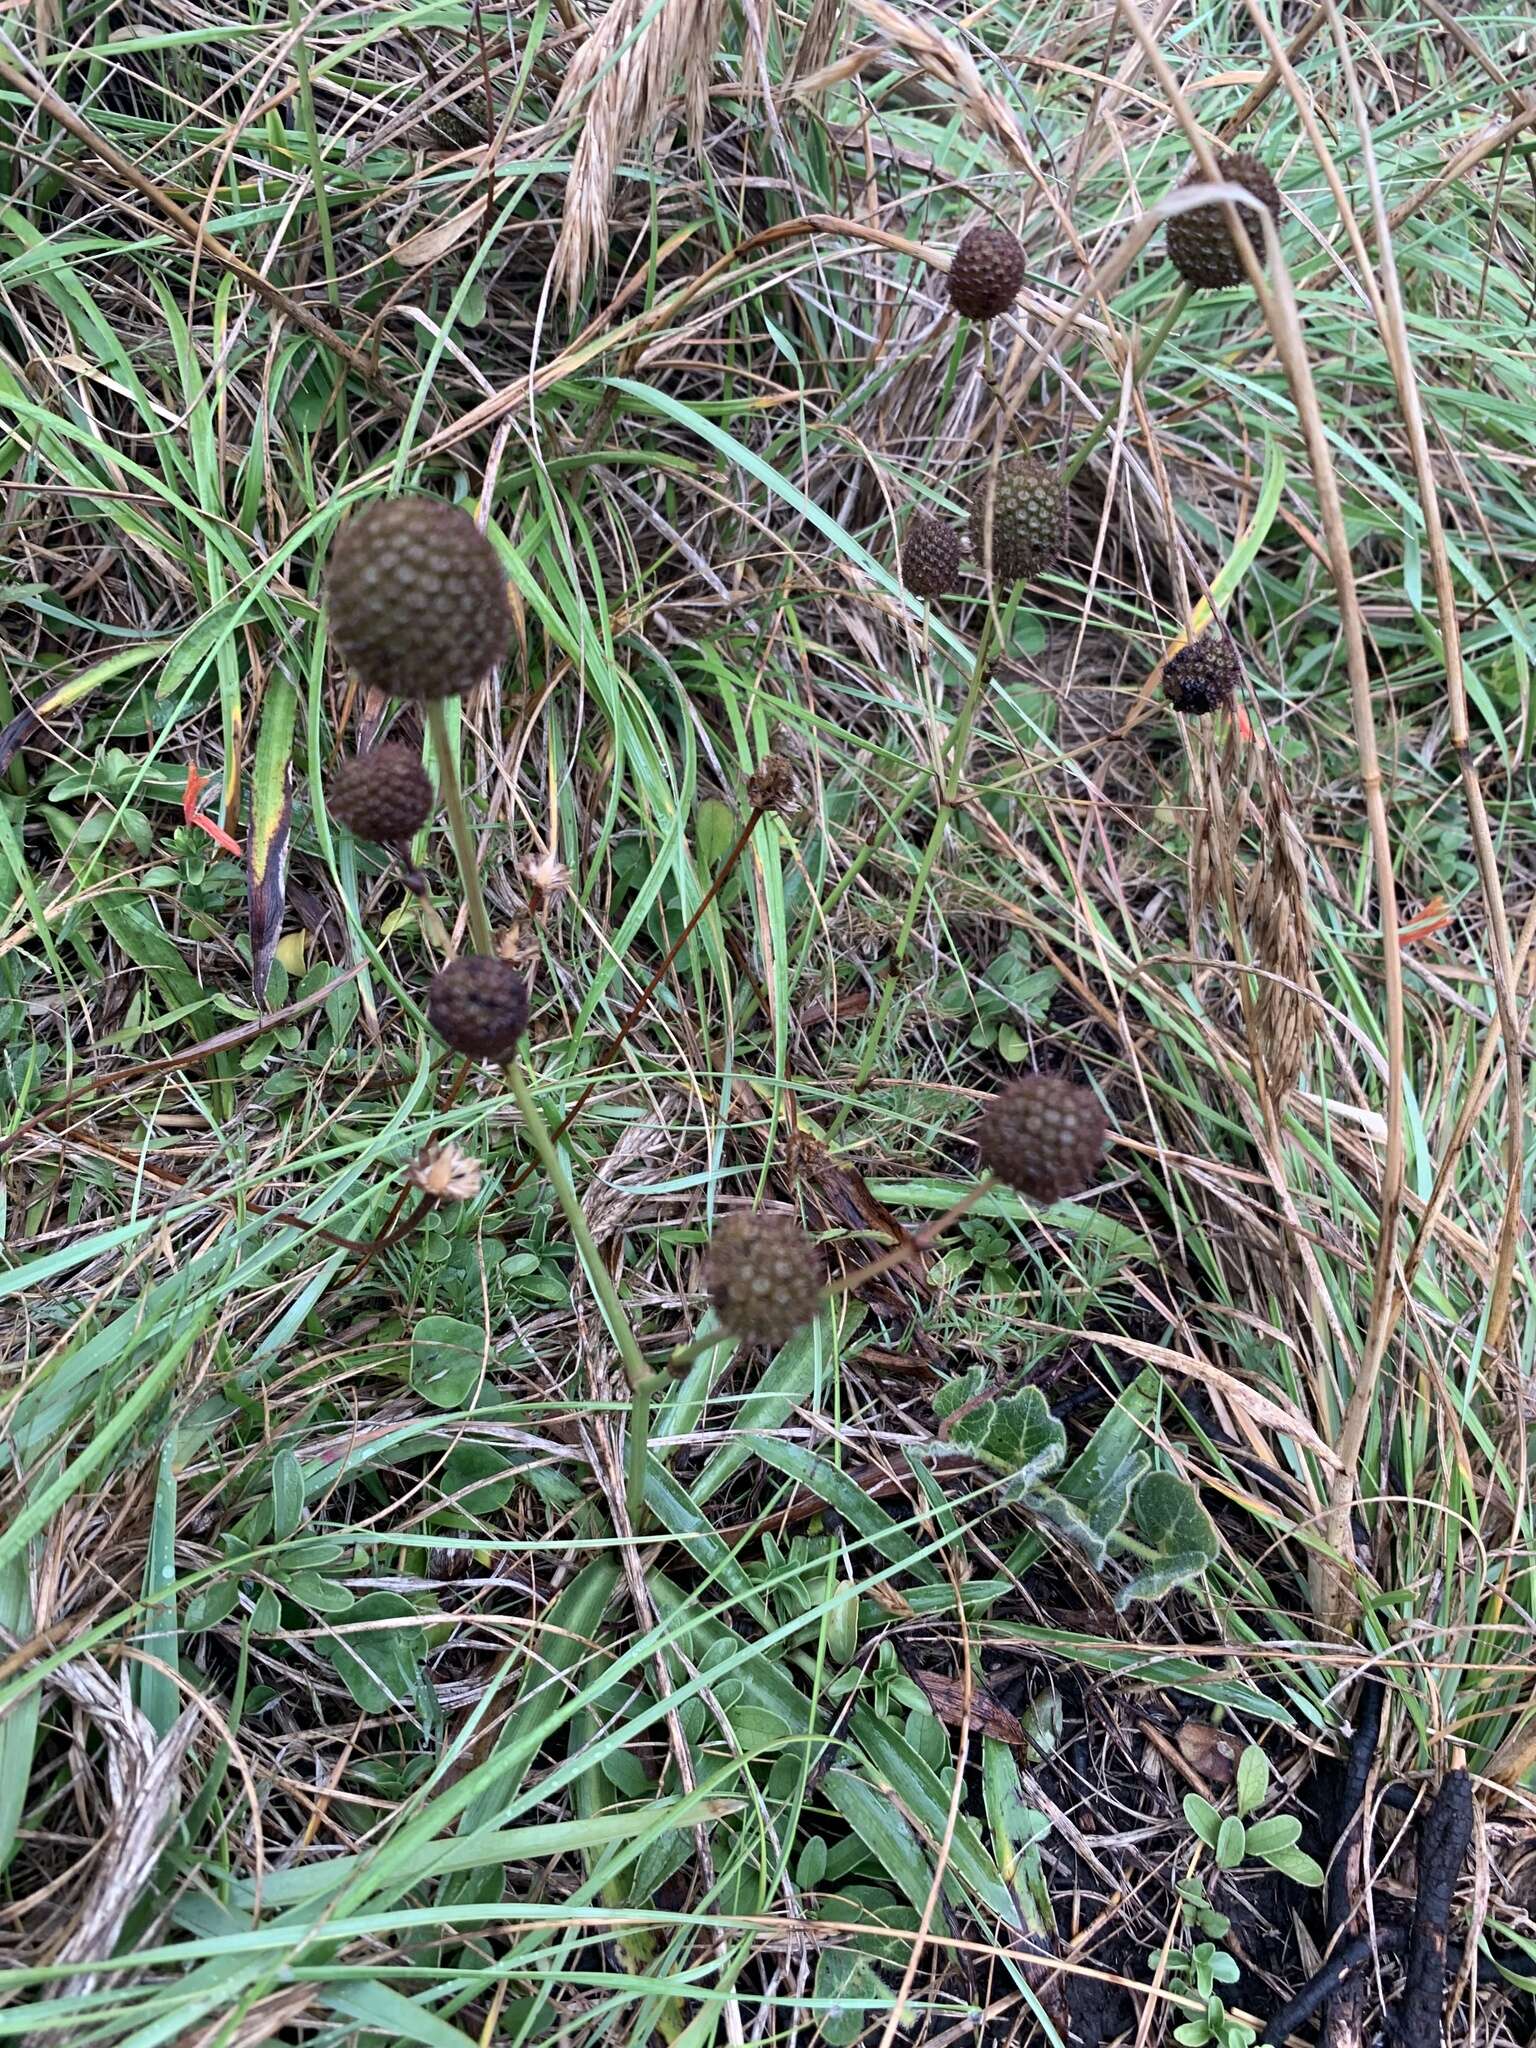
x=811 y=1324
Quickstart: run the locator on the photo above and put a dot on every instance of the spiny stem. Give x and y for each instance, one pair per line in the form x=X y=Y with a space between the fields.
x=458 y=826
x=599 y=1279
x=957 y=746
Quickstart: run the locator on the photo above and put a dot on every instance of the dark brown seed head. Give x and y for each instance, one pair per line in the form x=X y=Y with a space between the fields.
x=985 y=273
x=1042 y=1135
x=479 y=1006
x=384 y=794
x=930 y=556
x=765 y=1277
x=416 y=598
x=774 y=785
x=1200 y=246
x=1201 y=677
x=1026 y=503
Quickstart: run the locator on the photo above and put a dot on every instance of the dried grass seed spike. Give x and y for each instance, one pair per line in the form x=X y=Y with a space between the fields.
x=985 y=272
x=1043 y=1135
x=765 y=1278
x=383 y=794
x=479 y=1006
x=1200 y=244
x=416 y=598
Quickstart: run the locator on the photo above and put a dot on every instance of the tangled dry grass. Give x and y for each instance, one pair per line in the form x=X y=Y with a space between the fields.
x=344 y=1696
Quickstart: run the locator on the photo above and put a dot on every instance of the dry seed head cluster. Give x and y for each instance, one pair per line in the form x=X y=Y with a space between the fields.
x=985 y=273
x=416 y=598
x=1043 y=1136
x=1200 y=244
x=479 y=1006
x=764 y=1276
x=1018 y=519
x=383 y=794
x=1201 y=677
x=930 y=556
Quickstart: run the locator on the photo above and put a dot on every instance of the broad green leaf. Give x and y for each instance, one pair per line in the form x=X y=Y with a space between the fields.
x=1297 y=1865
x=1203 y=1818
x=378 y=1658
x=855 y=1991
x=287 y=1495
x=885 y=1832
x=1252 y=1779
x=1170 y=1521
x=447 y=1359
x=1266 y=1836
x=1016 y=1434
x=1230 y=1841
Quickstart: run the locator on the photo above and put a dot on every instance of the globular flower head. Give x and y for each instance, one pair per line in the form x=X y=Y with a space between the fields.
x=1201 y=677
x=1042 y=1135
x=930 y=556
x=764 y=1276
x=985 y=272
x=383 y=794
x=1200 y=244
x=1018 y=519
x=416 y=598
x=479 y=1006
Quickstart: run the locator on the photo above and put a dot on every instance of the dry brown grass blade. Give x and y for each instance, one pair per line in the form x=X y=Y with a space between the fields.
x=619 y=87
x=1279 y=911
x=1332 y=1590
x=143 y=1778
x=1394 y=331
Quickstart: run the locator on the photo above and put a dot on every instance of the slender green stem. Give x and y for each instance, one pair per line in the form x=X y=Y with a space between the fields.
x=458 y=825
x=956 y=747
x=1146 y=356
x=599 y=1279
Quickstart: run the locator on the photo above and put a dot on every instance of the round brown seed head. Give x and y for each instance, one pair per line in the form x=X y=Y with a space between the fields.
x=1026 y=503
x=773 y=784
x=384 y=794
x=1200 y=245
x=479 y=1006
x=1042 y=1135
x=985 y=273
x=764 y=1276
x=930 y=556
x=416 y=598
x=1200 y=678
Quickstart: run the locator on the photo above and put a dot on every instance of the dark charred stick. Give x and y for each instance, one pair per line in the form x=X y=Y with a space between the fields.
x=1336 y=1973
x=1443 y=1840
x=1357 y=1774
